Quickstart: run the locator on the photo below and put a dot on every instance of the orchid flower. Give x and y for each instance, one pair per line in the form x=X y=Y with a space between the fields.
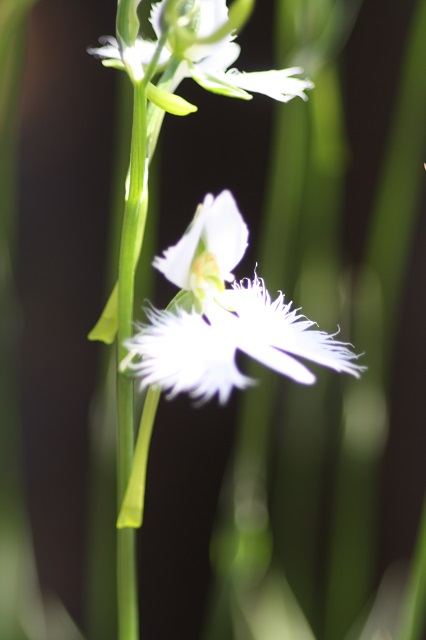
x=192 y=347
x=204 y=58
x=212 y=246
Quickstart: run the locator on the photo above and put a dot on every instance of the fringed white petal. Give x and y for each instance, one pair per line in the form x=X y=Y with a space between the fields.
x=183 y=353
x=282 y=327
x=155 y=17
x=180 y=353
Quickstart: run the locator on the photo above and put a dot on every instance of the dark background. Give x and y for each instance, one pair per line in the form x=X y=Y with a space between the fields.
x=68 y=111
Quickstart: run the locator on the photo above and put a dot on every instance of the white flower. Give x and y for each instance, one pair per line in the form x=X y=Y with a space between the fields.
x=193 y=349
x=211 y=247
x=272 y=332
x=275 y=84
x=206 y=16
x=193 y=353
x=207 y=63
x=180 y=352
x=133 y=58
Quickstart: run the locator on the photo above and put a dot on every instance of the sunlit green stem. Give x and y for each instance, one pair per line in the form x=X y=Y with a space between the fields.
x=106 y=328
x=169 y=81
x=131 y=242
x=126 y=557
x=413 y=621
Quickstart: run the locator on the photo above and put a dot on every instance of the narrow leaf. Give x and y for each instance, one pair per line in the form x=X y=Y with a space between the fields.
x=106 y=327
x=131 y=513
x=169 y=102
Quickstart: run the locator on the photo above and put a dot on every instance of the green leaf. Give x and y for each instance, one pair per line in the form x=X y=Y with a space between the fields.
x=131 y=512
x=169 y=102
x=106 y=327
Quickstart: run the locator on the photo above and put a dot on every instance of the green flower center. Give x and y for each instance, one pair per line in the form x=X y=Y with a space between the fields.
x=205 y=275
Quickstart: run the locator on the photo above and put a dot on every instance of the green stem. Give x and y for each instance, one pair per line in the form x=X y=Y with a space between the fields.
x=126 y=556
x=106 y=327
x=413 y=620
x=169 y=81
x=132 y=508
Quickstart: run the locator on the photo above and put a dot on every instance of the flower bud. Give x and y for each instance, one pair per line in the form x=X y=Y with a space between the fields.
x=181 y=20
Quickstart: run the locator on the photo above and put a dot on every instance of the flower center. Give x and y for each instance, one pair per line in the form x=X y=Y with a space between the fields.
x=205 y=276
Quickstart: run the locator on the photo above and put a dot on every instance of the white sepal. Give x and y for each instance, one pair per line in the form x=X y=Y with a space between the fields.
x=219 y=226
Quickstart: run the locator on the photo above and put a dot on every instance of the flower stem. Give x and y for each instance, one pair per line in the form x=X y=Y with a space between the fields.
x=105 y=329
x=135 y=210
x=169 y=81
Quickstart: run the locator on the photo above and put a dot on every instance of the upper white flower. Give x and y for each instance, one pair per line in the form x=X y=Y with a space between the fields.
x=194 y=350
x=211 y=247
x=205 y=17
x=207 y=63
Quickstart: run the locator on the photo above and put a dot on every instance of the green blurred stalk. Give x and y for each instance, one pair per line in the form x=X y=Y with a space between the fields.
x=352 y=544
x=21 y=614
x=103 y=512
x=308 y=417
x=12 y=509
x=402 y=174
x=413 y=618
x=307 y=428
x=374 y=295
x=242 y=544
x=298 y=247
x=102 y=583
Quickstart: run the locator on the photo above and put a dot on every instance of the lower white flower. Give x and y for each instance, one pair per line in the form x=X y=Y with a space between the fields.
x=192 y=346
x=193 y=353
x=181 y=352
x=272 y=332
